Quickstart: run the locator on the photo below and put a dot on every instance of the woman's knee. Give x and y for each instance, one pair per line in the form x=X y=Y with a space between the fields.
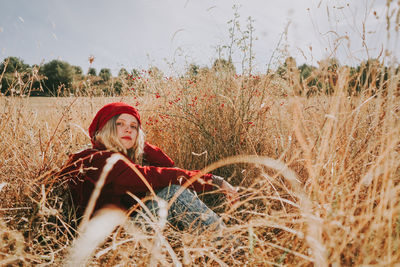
x=173 y=188
x=169 y=191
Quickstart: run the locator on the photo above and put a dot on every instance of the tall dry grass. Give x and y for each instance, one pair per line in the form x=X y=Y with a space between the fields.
x=321 y=187
x=319 y=175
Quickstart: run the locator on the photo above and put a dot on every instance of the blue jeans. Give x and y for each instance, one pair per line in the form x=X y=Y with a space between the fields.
x=187 y=212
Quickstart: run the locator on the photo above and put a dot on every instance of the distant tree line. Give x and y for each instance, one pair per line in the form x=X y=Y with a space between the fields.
x=59 y=78
x=369 y=75
x=51 y=79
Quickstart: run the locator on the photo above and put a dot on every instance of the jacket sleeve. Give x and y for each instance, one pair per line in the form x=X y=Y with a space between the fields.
x=124 y=178
x=156 y=157
x=70 y=168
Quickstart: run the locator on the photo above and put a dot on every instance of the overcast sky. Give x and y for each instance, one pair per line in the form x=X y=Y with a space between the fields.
x=140 y=33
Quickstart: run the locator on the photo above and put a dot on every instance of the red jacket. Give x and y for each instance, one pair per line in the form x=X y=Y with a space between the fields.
x=84 y=169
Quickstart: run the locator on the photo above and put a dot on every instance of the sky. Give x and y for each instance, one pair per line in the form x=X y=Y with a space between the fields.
x=171 y=34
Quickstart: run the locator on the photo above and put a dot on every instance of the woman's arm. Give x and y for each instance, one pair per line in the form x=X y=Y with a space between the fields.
x=89 y=165
x=156 y=157
x=158 y=177
x=230 y=192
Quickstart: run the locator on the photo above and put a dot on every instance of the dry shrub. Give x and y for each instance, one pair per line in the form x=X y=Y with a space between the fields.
x=344 y=150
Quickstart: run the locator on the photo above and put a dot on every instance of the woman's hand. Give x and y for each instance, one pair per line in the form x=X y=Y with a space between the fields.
x=230 y=192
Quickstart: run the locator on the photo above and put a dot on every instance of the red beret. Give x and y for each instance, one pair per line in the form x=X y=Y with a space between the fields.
x=109 y=111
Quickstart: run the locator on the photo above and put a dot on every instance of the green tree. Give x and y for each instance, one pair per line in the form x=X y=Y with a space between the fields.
x=371 y=74
x=308 y=81
x=59 y=76
x=305 y=71
x=118 y=87
x=223 y=66
x=105 y=74
x=289 y=66
x=291 y=74
x=8 y=67
x=92 y=72
x=327 y=74
x=13 y=64
x=135 y=73
x=77 y=70
x=123 y=73
x=193 y=70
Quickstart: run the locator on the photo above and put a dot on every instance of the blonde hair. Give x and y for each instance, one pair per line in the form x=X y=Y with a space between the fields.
x=108 y=137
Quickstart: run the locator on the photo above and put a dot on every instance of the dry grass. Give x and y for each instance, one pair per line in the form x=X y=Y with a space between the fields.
x=319 y=176
x=324 y=189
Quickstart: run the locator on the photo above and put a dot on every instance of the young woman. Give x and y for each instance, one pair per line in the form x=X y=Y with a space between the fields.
x=117 y=128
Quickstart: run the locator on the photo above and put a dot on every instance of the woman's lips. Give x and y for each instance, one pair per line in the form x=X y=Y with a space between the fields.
x=127 y=138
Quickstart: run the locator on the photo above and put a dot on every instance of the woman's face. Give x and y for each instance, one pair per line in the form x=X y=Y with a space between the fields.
x=127 y=130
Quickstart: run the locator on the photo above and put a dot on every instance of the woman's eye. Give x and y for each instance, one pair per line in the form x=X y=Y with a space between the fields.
x=119 y=123
x=134 y=127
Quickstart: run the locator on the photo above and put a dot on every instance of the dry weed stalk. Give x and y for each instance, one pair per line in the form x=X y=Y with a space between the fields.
x=95 y=233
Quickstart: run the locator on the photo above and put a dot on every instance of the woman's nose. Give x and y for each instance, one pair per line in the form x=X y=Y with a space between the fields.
x=128 y=129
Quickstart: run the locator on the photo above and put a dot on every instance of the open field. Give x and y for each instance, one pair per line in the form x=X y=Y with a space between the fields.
x=319 y=176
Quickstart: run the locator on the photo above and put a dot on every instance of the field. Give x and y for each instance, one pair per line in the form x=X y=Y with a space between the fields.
x=318 y=176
